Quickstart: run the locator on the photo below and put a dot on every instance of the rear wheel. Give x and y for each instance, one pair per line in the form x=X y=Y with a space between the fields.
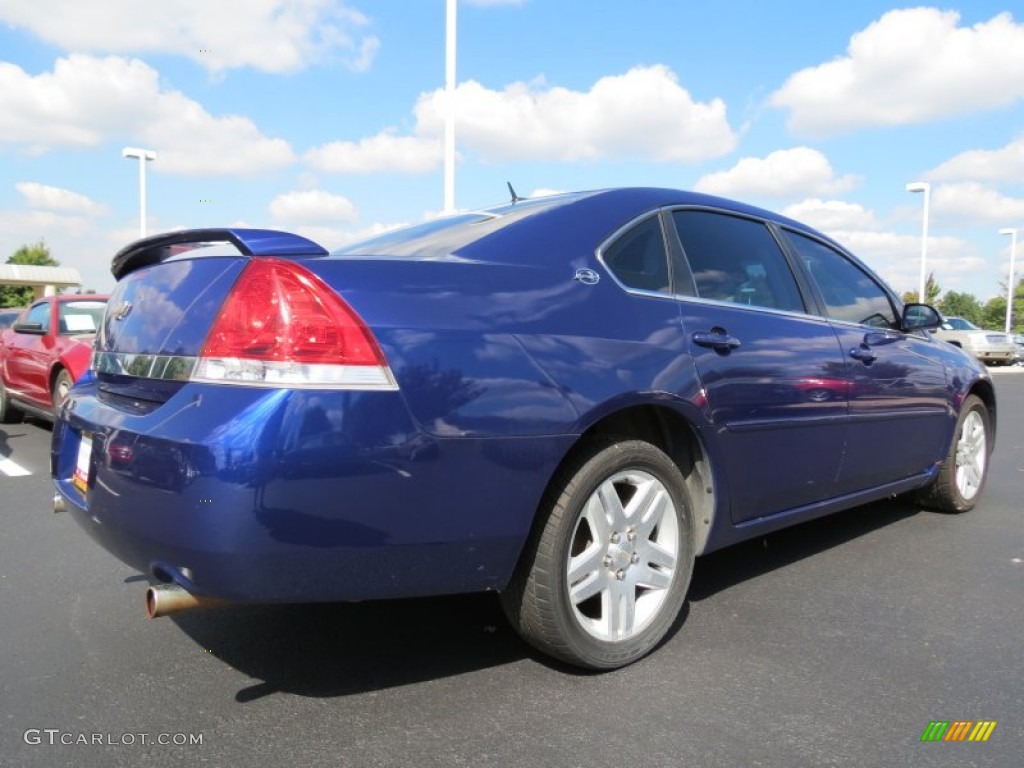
x=606 y=572
x=61 y=387
x=962 y=475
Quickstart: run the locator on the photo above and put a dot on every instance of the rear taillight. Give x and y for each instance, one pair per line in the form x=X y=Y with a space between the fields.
x=283 y=326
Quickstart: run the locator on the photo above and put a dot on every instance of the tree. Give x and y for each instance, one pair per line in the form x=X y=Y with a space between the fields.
x=994 y=312
x=964 y=305
x=1017 y=318
x=37 y=254
x=993 y=315
x=931 y=292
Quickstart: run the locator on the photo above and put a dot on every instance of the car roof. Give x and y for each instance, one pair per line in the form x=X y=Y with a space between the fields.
x=536 y=228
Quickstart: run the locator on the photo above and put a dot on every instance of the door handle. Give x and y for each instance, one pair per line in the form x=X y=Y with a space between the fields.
x=716 y=338
x=880 y=338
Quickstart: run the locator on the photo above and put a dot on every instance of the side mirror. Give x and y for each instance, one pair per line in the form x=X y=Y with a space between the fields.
x=920 y=317
x=33 y=328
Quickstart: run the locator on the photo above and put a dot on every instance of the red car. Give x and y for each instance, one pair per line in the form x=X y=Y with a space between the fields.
x=45 y=351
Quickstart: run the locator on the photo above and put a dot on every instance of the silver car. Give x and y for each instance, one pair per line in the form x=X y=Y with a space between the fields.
x=991 y=347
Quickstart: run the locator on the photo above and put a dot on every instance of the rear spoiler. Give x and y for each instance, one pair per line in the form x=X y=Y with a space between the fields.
x=250 y=242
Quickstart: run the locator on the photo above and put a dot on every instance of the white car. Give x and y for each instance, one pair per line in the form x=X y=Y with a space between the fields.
x=991 y=347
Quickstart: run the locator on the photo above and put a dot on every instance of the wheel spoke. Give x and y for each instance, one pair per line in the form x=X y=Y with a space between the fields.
x=652 y=578
x=584 y=573
x=657 y=555
x=596 y=517
x=650 y=508
x=620 y=604
x=611 y=504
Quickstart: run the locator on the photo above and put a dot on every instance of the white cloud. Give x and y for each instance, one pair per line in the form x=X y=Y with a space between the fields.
x=1004 y=164
x=85 y=101
x=493 y=3
x=908 y=67
x=785 y=173
x=41 y=196
x=897 y=258
x=383 y=152
x=894 y=256
x=312 y=206
x=644 y=114
x=268 y=35
x=832 y=215
x=972 y=204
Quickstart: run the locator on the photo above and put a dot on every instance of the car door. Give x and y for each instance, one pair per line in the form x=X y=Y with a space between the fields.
x=773 y=374
x=27 y=355
x=899 y=398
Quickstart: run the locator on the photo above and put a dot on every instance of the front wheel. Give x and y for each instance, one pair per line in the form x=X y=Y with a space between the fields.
x=606 y=572
x=962 y=474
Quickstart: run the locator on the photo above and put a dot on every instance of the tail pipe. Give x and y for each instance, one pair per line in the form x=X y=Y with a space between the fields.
x=165 y=599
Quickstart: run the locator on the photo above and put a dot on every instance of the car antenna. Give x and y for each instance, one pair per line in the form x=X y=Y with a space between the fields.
x=515 y=198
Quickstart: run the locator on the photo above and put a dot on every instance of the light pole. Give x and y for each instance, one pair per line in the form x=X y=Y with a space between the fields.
x=923 y=186
x=449 y=116
x=143 y=155
x=1012 y=232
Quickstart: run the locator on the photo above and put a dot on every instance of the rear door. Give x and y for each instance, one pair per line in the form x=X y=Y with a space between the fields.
x=899 y=399
x=774 y=377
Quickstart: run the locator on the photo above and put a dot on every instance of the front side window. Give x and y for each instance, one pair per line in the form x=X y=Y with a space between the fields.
x=40 y=313
x=638 y=257
x=736 y=260
x=850 y=293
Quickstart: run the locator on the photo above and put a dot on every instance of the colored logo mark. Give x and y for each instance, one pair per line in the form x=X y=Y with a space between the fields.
x=958 y=730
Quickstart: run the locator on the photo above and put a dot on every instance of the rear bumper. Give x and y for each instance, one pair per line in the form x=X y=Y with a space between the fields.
x=1004 y=358
x=296 y=496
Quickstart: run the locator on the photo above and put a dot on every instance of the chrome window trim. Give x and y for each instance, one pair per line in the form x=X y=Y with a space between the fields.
x=608 y=241
x=599 y=253
x=752 y=308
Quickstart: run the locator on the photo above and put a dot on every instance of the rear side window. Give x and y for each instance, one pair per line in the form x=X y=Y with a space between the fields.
x=737 y=260
x=638 y=257
x=850 y=293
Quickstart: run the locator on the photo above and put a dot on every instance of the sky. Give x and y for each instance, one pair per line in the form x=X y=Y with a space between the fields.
x=326 y=118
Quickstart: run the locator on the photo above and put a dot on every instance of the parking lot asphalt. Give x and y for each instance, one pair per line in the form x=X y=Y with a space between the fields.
x=835 y=643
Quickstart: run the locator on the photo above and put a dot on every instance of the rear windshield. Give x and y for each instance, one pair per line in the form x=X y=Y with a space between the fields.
x=80 y=316
x=441 y=238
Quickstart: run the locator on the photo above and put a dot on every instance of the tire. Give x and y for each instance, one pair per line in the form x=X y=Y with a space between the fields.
x=8 y=413
x=604 y=575
x=961 y=477
x=61 y=385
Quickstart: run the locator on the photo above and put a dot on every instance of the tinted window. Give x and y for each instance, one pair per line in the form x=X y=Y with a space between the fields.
x=850 y=293
x=40 y=313
x=442 y=237
x=638 y=258
x=736 y=259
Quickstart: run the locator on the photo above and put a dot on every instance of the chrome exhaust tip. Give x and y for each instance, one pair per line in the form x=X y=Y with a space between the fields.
x=165 y=599
x=59 y=505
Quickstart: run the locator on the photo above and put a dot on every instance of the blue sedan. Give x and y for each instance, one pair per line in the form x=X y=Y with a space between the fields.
x=564 y=400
